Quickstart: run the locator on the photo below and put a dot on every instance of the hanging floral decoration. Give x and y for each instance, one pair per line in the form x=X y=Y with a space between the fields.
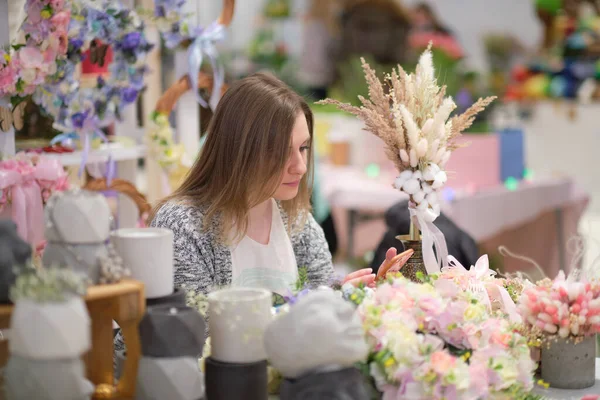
x=199 y=41
x=26 y=65
x=80 y=113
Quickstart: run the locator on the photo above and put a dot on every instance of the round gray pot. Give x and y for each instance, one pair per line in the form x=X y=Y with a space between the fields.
x=169 y=378
x=345 y=384
x=176 y=298
x=566 y=365
x=169 y=331
x=227 y=381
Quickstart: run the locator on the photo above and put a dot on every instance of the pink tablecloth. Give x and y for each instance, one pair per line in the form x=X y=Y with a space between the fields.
x=531 y=221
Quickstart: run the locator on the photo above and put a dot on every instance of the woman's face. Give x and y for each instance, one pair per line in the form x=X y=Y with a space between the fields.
x=295 y=168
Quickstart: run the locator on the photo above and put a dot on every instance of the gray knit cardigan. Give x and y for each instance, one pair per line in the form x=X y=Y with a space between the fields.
x=202 y=263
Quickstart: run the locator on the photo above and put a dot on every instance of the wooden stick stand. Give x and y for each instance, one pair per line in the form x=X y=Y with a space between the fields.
x=123 y=302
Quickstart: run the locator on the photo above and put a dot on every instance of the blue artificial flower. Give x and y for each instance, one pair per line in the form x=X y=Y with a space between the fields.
x=79 y=118
x=293 y=299
x=75 y=43
x=128 y=95
x=130 y=41
x=159 y=11
x=172 y=39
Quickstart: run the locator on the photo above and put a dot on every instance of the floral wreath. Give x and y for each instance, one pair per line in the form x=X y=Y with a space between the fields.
x=80 y=113
x=160 y=136
x=25 y=66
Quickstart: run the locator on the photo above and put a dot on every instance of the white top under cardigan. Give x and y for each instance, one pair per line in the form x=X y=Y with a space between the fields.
x=269 y=266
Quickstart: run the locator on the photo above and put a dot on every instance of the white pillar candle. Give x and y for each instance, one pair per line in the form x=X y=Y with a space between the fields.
x=238 y=319
x=148 y=253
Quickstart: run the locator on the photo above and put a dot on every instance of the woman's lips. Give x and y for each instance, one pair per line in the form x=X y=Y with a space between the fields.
x=292 y=184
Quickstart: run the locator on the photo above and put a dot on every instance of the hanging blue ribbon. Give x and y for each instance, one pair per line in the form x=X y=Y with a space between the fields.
x=204 y=44
x=64 y=137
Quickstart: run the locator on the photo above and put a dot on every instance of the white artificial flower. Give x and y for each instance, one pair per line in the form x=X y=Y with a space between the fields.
x=406 y=174
x=28 y=74
x=411 y=186
x=419 y=196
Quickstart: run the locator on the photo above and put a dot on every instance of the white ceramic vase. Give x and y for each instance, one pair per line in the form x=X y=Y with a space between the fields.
x=169 y=378
x=77 y=217
x=237 y=323
x=50 y=331
x=27 y=379
x=77 y=229
x=148 y=253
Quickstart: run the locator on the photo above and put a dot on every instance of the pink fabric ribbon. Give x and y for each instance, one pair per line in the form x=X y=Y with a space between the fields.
x=27 y=207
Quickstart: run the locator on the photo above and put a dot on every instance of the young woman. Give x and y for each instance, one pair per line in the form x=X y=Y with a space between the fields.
x=242 y=216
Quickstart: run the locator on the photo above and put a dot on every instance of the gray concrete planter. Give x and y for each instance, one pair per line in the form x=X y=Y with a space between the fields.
x=170 y=331
x=27 y=379
x=169 y=378
x=566 y=365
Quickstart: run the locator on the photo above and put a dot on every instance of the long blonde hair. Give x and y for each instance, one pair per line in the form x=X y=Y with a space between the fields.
x=242 y=161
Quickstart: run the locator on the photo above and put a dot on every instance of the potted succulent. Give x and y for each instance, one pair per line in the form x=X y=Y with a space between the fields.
x=49 y=332
x=564 y=316
x=76 y=237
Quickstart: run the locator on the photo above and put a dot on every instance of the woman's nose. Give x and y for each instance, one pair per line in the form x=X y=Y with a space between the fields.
x=298 y=165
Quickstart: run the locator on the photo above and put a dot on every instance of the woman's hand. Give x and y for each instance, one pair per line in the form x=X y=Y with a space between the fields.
x=393 y=263
x=364 y=275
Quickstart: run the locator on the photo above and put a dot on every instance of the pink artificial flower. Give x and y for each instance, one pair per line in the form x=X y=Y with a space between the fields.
x=61 y=21
x=442 y=362
x=30 y=57
x=34 y=11
x=502 y=339
x=8 y=80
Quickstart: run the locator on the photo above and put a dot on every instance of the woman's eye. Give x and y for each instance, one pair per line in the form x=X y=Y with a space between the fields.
x=304 y=148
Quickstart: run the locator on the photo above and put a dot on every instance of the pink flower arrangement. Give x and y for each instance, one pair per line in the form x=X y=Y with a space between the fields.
x=562 y=308
x=437 y=341
x=27 y=65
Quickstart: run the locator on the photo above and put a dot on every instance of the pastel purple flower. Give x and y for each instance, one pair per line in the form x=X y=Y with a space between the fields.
x=131 y=40
x=129 y=95
x=79 y=118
